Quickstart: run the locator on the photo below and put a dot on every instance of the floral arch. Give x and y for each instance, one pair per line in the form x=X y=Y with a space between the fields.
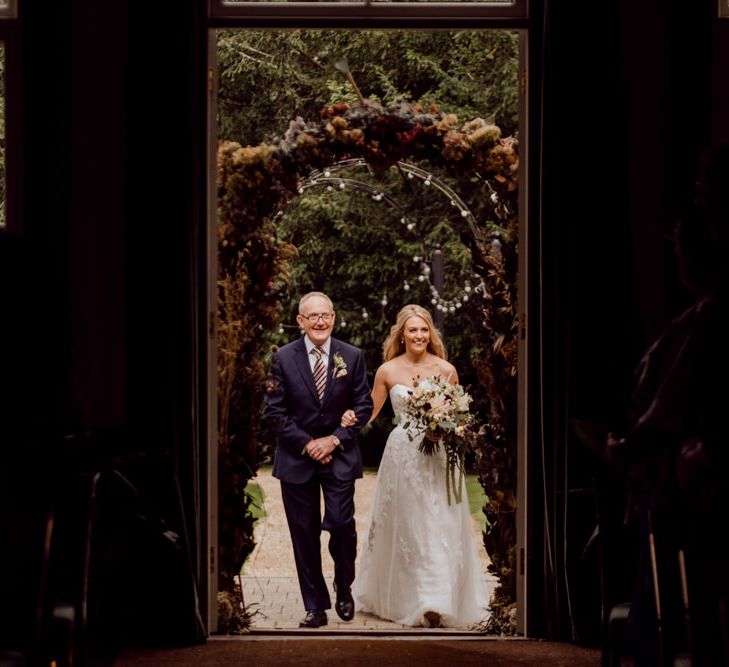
x=254 y=185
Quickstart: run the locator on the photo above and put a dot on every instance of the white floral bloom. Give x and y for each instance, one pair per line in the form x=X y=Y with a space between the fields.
x=462 y=403
x=438 y=403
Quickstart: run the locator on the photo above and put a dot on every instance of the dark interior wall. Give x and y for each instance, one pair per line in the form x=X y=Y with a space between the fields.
x=668 y=121
x=167 y=84
x=720 y=80
x=630 y=96
x=94 y=189
x=40 y=296
x=583 y=276
x=99 y=303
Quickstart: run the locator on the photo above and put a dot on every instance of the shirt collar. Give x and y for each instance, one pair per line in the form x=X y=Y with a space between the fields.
x=325 y=346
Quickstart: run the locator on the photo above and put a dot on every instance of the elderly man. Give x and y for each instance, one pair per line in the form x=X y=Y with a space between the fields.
x=312 y=382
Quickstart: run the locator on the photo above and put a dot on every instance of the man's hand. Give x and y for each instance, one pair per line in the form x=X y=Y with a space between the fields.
x=320 y=449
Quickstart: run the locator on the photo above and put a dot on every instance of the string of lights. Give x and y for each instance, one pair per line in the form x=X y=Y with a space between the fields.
x=332 y=180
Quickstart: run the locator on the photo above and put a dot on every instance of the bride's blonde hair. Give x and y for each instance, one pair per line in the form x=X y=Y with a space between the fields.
x=394 y=344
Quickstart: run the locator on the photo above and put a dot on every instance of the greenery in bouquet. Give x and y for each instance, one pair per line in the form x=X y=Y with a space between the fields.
x=440 y=411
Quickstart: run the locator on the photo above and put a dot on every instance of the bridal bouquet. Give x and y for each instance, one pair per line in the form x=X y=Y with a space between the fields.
x=440 y=411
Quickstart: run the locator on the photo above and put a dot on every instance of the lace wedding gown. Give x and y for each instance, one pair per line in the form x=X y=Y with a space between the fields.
x=418 y=553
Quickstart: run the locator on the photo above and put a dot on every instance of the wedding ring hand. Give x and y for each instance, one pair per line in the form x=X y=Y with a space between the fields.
x=318 y=451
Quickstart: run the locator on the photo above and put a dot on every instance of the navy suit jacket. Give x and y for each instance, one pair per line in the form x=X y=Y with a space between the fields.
x=296 y=416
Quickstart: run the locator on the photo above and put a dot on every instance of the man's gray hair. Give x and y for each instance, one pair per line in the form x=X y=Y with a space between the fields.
x=310 y=295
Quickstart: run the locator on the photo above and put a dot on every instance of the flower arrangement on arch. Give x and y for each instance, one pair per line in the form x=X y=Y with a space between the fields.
x=440 y=412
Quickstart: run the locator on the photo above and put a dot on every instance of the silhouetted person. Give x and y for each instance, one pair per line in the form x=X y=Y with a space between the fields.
x=674 y=455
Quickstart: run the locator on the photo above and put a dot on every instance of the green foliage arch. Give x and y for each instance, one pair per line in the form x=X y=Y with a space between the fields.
x=255 y=183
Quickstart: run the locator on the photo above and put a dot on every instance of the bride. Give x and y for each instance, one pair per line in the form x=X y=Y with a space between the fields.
x=418 y=564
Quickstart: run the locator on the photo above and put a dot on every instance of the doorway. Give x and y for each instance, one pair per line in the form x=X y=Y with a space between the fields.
x=345 y=89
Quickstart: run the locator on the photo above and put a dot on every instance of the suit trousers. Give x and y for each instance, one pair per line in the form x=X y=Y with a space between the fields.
x=302 y=503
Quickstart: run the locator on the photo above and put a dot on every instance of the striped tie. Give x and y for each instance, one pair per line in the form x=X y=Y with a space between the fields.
x=320 y=372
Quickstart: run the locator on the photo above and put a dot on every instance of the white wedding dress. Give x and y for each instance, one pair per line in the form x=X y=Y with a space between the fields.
x=418 y=553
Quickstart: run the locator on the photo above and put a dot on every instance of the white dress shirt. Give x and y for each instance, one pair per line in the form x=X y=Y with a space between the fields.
x=325 y=352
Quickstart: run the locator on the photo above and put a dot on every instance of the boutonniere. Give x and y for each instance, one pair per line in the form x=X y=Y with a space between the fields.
x=340 y=366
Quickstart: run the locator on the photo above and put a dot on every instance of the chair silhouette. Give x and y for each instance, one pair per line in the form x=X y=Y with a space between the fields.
x=670 y=628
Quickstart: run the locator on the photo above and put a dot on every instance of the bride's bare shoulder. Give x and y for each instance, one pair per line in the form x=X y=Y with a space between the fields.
x=385 y=370
x=385 y=367
x=391 y=372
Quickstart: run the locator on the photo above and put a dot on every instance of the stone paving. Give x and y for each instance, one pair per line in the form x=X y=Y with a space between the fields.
x=270 y=586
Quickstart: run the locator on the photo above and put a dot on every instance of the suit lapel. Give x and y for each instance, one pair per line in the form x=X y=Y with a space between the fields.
x=302 y=363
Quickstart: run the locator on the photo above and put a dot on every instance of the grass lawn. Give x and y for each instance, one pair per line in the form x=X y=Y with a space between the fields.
x=257 y=507
x=476 y=497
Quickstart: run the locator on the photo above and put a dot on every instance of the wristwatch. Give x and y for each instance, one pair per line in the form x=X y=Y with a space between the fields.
x=337 y=442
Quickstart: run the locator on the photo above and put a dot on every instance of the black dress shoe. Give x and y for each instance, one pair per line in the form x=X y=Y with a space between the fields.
x=315 y=618
x=345 y=605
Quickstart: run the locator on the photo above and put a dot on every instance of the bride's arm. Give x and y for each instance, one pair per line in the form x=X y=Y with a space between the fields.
x=379 y=394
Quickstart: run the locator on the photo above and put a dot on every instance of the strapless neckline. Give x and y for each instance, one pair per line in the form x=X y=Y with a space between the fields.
x=399 y=395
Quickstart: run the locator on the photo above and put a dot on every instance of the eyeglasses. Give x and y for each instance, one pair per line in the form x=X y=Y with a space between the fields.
x=315 y=317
